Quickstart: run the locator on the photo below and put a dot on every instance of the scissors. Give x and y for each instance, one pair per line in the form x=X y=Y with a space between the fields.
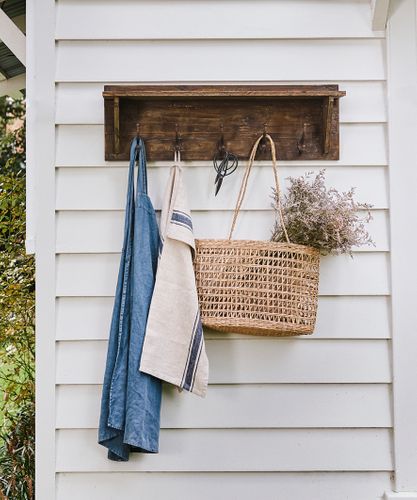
x=224 y=162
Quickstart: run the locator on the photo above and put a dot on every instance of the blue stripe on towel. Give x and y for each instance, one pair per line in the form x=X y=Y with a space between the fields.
x=161 y=246
x=193 y=354
x=198 y=358
x=182 y=219
x=189 y=349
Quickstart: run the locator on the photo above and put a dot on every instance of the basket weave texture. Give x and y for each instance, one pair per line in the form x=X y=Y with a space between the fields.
x=257 y=287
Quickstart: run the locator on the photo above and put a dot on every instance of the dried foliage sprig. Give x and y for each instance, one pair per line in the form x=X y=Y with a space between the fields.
x=322 y=218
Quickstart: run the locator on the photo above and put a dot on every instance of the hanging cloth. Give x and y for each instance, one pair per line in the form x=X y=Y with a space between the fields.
x=131 y=400
x=174 y=348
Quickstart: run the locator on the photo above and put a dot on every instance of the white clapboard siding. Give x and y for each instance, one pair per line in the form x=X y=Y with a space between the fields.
x=102 y=231
x=253 y=361
x=214 y=60
x=305 y=418
x=105 y=188
x=360 y=144
x=212 y=19
x=96 y=274
x=82 y=103
x=245 y=406
x=338 y=317
x=237 y=450
x=230 y=486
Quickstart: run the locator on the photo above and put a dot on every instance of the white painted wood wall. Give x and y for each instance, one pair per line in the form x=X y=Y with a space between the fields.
x=304 y=418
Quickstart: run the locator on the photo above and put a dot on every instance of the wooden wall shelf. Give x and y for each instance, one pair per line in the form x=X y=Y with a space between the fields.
x=303 y=120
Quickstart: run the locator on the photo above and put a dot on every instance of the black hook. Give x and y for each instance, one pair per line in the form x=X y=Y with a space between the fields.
x=224 y=162
x=263 y=141
x=220 y=145
x=301 y=143
x=178 y=140
x=138 y=138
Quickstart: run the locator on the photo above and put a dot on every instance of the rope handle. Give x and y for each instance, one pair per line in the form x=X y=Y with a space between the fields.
x=245 y=179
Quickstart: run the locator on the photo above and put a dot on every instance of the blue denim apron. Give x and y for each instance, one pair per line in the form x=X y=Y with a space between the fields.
x=131 y=400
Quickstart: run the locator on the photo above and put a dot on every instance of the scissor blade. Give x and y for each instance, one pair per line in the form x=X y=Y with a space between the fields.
x=218 y=185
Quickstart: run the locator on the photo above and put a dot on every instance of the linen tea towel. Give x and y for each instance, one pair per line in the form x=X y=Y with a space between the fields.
x=174 y=348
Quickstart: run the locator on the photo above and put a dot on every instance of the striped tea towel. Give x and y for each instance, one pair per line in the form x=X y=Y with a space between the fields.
x=174 y=348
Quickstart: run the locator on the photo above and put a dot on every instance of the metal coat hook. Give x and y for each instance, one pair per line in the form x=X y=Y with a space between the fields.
x=263 y=142
x=138 y=138
x=301 y=143
x=178 y=140
x=220 y=145
x=224 y=162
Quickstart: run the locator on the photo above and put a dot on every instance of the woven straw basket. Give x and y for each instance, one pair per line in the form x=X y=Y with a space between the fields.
x=257 y=287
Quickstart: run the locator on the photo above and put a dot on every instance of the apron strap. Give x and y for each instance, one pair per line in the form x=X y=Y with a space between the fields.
x=137 y=155
x=130 y=197
x=124 y=271
x=142 y=184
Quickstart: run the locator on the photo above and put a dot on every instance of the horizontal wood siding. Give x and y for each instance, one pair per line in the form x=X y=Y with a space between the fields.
x=95 y=275
x=268 y=486
x=212 y=19
x=238 y=361
x=302 y=418
x=246 y=406
x=88 y=318
x=101 y=231
x=105 y=188
x=237 y=450
x=210 y=60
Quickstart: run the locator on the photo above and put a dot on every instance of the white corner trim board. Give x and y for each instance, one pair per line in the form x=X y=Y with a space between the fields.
x=402 y=130
x=41 y=169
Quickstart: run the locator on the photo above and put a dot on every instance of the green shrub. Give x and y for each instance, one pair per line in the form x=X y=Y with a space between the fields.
x=17 y=303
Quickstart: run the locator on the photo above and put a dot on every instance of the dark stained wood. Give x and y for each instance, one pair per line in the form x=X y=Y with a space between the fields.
x=116 y=121
x=222 y=90
x=299 y=119
x=327 y=122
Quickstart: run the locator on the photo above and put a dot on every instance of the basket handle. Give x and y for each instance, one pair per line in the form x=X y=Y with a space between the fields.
x=245 y=183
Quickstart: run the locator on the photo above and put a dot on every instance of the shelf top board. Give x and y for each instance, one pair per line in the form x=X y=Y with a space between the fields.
x=161 y=91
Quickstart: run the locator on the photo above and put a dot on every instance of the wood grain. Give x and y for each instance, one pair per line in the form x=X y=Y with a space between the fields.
x=245 y=111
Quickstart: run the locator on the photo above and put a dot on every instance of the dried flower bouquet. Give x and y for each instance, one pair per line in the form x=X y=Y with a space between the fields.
x=321 y=218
